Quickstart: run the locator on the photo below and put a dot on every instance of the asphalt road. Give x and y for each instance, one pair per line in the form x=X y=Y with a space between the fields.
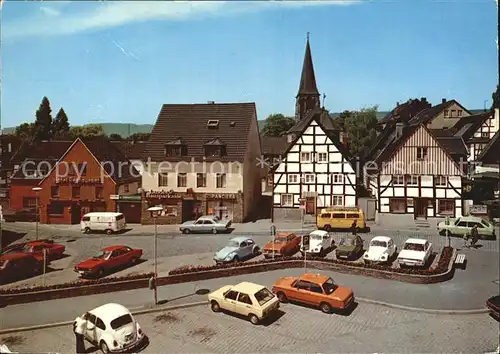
x=368 y=329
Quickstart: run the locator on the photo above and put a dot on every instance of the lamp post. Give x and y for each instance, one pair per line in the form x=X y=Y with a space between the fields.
x=155 y=211
x=37 y=215
x=273 y=234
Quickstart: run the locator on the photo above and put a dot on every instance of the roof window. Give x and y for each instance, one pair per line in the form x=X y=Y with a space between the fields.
x=213 y=123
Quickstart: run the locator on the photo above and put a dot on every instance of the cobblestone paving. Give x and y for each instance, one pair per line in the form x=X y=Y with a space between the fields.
x=369 y=328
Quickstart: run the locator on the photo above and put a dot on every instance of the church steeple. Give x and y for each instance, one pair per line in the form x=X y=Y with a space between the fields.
x=308 y=96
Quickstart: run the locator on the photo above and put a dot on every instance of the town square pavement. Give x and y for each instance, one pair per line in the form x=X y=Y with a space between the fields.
x=368 y=329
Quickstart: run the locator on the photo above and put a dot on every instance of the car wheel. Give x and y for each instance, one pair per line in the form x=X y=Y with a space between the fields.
x=321 y=252
x=87 y=230
x=104 y=347
x=186 y=231
x=253 y=319
x=214 y=231
x=256 y=250
x=214 y=305
x=109 y=232
x=134 y=260
x=325 y=307
x=100 y=273
x=236 y=259
x=328 y=228
x=282 y=297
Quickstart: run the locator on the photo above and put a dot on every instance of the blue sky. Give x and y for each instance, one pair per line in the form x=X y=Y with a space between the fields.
x=120 y=61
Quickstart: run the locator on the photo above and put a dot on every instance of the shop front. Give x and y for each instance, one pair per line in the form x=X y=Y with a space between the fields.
x=171 y=203
x=222 y=205
x=129 y=206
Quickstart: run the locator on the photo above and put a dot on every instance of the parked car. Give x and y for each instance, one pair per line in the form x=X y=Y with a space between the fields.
x=284 y=244
x=314 y=289
x=108 y=222
x=349 y=247
x=250 y=300
x=237 y=249
x=25 y=214
x=320 y=243
x=112 y=328
x=19 y=246
x=493 y=304
x=416 y=252
x=17 y=266
x=36 y=248
x=463 y=225
x=206 y=224
x=381 y=250
x=341 y=217
x=108 y=259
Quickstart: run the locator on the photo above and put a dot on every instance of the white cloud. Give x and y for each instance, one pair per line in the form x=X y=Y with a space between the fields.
x=113 y=14
x=49 y=11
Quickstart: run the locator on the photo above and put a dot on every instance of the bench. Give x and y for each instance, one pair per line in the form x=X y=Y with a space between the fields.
x=460 y=260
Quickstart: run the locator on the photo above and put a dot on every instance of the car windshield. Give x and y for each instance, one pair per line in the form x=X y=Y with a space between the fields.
x=329 y=286
x=377 y=243
x=347 y=242
x=485 y=223
x=233 y=244
x=264 y=295
x=121 y=321
x=102 y=255
x=216 y=218
x=316 y=237
x=280 y=240
x=27 y=248
x=413 y=247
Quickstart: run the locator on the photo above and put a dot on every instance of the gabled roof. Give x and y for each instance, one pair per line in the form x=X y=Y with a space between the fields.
x=215 y=142
x=467 y=126
x=425 y=116
x=454 y=145
x=178 y=141
x=491 y=152
x=44 y=150
x=404 y=112
x=315 y=115
x=189 y=121
x=326 y=122
x=393 y=143
x=272 y=145
x=308 y=79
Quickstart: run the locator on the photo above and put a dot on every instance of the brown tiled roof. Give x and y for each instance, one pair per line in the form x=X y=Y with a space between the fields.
x=428 y=114
x=44 y=150
x=271 y=145
x=454 y=145
x=324 y=118
x=491 y=152
x=133 y=150
x=442 y=132
x=467 y=126
x=189 y=122
x=393 y=143
x=404 y=112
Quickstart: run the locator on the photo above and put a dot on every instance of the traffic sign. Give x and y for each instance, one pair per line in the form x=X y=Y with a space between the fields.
x=305 y=240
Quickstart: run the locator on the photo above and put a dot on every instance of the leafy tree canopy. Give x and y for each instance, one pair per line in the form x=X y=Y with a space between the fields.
x=496 y=98
x=60 y=126
x=139 y=137
x=115 y=137
x=360 y=127
x=25 y=131
x=87 y=131
x=43 y=121
x=277 y=125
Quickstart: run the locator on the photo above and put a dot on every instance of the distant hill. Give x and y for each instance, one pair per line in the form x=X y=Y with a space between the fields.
x=126 y=130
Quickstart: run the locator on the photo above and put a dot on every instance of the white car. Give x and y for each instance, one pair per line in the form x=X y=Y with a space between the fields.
x=381 y=250
x=320 y=243
x=112 y=328
x=415 y=253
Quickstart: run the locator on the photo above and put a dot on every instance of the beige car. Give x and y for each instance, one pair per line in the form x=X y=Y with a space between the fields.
x=250 y=300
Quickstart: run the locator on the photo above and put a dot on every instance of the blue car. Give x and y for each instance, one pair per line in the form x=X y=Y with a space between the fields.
x=237 y=249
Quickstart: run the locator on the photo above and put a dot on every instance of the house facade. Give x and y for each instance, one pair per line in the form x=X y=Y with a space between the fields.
x=80 y=180
x=9 y=144
x=203 y=159
x=420 y=175
x=442 y=116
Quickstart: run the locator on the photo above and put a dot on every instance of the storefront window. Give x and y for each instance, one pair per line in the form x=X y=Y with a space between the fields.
x=224 y=209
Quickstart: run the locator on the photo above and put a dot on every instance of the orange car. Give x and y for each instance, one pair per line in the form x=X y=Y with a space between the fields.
x=285 y=244
x=314 y=289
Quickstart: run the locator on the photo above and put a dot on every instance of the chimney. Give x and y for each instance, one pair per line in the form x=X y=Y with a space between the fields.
x=210 y=102
x=397 y=104
x=423 y=99
x=443 y=100
x=399 y=130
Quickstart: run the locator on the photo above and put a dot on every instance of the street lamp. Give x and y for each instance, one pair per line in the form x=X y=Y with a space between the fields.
x=155 y=212
x=36 y=190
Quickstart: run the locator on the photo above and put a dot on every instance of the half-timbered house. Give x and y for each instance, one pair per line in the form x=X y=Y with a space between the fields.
x=419 y=173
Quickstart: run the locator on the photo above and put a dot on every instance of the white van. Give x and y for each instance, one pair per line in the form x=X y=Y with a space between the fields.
x=102 y=221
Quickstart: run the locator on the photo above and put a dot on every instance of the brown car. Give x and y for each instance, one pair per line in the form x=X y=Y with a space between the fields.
x=17 y=266
x=285 y=244
x=316 y=290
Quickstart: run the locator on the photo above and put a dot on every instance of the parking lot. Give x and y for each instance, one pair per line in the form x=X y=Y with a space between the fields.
x=369 y=328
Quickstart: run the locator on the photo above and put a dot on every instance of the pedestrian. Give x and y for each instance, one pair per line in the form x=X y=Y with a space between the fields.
x=474 y=233
x=79 y=329
x=354 y=227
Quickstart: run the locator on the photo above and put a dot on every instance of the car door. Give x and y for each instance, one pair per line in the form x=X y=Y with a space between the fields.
x=359 y=245
x=114 y=259
x=249 y=248
x=208 y=225
x=229 y=303
x=301 y=292
x=198 y=226
x=391 y=247
x=100 y=327
x=461 y=228
x=37 y=250
x=90 y=328
x=480 y=227
x=244 y=304
x=315 y=294
x=327 y=241
x=242 y=249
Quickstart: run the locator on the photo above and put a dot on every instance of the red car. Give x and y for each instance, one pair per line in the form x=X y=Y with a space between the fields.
x=36 y=248
x=108 y=259
x=18 y=266
x=493 y=304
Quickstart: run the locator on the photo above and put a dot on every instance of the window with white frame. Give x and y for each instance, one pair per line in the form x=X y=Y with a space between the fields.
x=337 y=200
x=293 y=178
x=337 y=179
x=421 y=153
x=441 y=181
x=162 y=179
x=398 y=180
x=287 y=200
x=412 y=180
x=305 y=156
x=309 y=178
x=182 y=180
x=221 y=181
x=322 y=157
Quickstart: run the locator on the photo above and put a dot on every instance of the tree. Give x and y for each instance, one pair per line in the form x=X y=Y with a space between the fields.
x=25 y=131
x=43 y=121
x=115 y=137
x=60 y=126
x=360 y=128
x=139 y=137
x=496 y=98
x=277 y=125
x=339 y=121
x=86 y=131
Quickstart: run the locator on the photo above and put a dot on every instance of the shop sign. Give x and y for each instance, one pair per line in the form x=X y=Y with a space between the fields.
x=114 y=197
x=232 y=196
x=163 y=194
x=76 y=180
x=479 y=209
x=132 y=197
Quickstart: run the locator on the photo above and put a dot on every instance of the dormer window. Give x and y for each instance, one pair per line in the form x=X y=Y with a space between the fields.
x=176 y=148
x=213 y=124
x=215 y=148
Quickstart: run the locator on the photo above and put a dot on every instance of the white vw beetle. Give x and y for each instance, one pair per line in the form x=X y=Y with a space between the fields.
x=415 y=252
x=112 y=328
x=320 y=243
x=382 y=250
